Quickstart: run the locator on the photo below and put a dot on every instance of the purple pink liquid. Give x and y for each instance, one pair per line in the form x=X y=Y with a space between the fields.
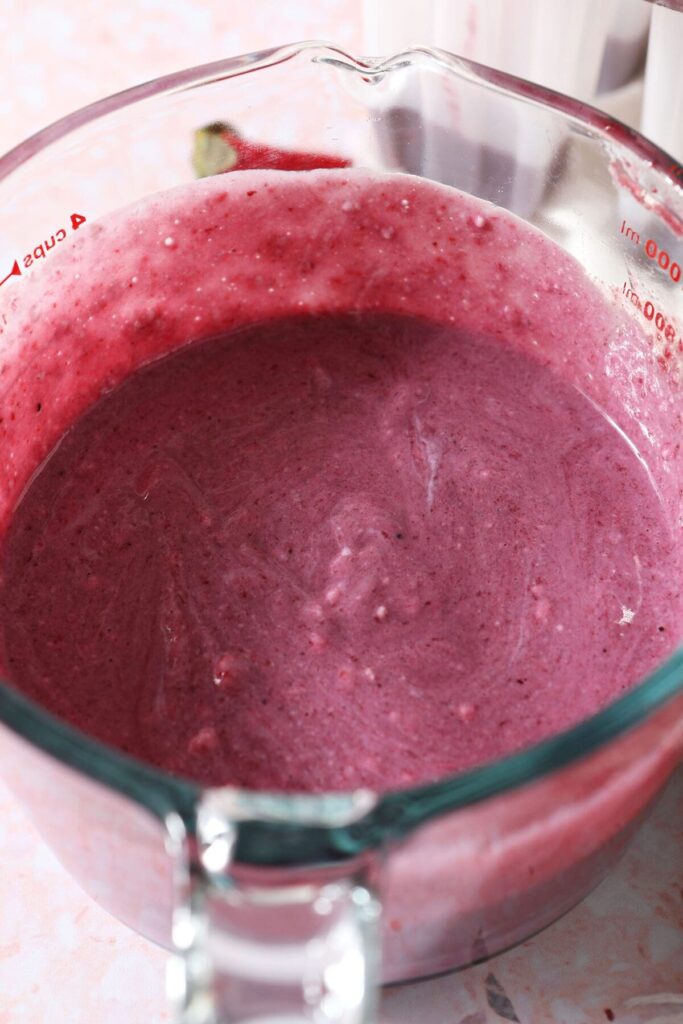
x=323 y=548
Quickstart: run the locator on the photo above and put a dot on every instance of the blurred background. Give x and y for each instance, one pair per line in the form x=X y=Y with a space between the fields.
x=58 y=55
x=622 y=55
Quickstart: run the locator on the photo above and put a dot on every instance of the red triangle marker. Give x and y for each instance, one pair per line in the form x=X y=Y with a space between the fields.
x=14 y=272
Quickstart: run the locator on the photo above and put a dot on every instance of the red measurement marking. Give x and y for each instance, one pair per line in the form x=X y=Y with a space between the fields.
x=653 y=251
x=630 y=233
x=14 y=272
x=43 y=248
x=651 y=314
x=663 y=260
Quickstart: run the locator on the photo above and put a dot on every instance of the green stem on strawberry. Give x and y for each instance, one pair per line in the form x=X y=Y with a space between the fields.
x=218 y=148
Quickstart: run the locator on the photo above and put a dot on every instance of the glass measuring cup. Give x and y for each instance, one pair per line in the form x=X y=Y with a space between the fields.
x=273 y=903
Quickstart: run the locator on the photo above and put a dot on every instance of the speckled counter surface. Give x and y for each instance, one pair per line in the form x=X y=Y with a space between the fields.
x=62 y=959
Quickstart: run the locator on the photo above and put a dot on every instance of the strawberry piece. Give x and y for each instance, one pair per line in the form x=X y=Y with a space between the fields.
x=219 y=148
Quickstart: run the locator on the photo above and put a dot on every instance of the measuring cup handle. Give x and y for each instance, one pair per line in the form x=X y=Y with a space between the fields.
x=274 y=952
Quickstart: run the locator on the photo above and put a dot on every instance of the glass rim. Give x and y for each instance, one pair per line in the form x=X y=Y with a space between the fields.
x=392 y=811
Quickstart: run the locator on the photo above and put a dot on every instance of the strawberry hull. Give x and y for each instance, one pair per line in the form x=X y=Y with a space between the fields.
x=219 y=148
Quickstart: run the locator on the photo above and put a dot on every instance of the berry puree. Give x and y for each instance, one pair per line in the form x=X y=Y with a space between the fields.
x=322 y=480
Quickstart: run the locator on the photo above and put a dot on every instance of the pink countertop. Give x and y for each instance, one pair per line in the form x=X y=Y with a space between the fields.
x=62 y=959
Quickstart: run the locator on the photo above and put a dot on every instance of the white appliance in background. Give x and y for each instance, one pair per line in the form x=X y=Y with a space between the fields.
x=552 y=42
x=662 y=118
x=595 y=52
